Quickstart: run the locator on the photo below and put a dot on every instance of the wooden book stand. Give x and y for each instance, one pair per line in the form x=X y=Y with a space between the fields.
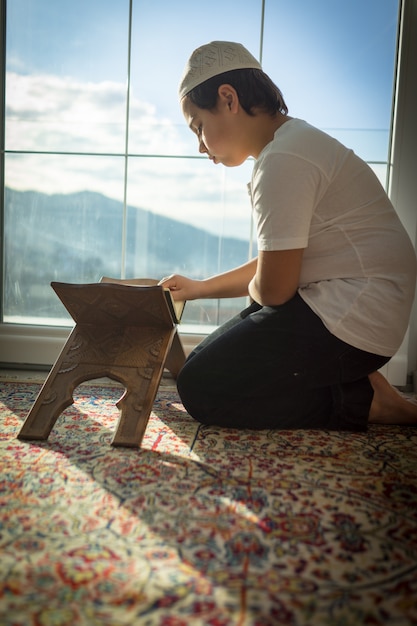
x=123 y=332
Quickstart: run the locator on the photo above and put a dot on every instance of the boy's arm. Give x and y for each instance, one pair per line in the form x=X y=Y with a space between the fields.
x=231 y=284
x=277 y=276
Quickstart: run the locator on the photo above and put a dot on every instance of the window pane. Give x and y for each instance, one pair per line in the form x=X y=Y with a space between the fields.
x=195 y=192
x=334 y=62
x=67 y=237
x=163 y=37
x=66 y=76
x=196 y=222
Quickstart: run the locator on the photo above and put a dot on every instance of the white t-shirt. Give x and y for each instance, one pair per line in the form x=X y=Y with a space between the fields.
x=359 y=266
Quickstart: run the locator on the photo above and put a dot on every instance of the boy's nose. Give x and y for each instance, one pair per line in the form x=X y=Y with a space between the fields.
x=202 y=148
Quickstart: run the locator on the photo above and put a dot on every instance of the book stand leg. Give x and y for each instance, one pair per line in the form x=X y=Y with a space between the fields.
x=135 y=356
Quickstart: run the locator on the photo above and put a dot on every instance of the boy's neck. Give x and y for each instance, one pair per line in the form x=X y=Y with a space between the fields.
x=264 y=128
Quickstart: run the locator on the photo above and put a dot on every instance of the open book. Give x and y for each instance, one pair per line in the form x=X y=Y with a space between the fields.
x=176 y=307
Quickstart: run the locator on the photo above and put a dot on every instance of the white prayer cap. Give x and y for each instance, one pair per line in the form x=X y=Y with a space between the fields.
x=212 y=59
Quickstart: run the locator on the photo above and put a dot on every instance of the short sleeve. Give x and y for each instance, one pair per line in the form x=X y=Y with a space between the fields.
x=285 y=189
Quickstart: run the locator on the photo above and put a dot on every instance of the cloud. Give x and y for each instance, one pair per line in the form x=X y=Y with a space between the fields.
x=47 y=112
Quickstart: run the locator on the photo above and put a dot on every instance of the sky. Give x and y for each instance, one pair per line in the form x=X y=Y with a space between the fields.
x=67 y=82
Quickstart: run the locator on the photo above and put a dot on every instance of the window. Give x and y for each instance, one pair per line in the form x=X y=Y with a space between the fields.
x=101 y=174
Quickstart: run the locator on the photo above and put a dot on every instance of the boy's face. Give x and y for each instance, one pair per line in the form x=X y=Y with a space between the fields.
x=218 y=132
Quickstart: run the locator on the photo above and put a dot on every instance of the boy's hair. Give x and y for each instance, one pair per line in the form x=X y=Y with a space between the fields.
x=255 y=90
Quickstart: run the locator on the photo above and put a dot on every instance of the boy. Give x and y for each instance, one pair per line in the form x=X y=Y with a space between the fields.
x=332 y=286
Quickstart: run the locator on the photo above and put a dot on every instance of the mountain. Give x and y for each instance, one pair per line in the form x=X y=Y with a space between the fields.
x=78 y=238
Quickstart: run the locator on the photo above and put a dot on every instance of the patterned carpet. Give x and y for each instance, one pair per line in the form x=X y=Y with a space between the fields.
x=203 y=526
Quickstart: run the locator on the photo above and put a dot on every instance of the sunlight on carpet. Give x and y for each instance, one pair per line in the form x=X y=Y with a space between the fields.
x=202 y=525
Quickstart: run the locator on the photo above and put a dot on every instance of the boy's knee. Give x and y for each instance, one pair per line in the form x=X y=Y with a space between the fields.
x=193 y=394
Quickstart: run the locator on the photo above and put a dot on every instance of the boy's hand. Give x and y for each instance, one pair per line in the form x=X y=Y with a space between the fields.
x=182 y=288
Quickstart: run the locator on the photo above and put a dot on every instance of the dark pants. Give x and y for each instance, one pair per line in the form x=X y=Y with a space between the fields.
x=278 y=367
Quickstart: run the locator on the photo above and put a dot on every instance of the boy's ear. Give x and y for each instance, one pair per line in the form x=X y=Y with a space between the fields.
x=228 y=96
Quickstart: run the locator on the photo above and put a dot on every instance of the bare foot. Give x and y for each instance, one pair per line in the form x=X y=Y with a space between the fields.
x=388 y=405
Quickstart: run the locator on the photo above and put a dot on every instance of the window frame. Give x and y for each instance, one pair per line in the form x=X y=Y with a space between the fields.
x=38 y=346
